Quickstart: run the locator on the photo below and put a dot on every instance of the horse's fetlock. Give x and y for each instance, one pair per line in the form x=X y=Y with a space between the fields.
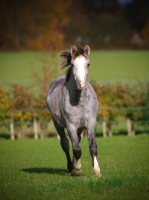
x=77 y=153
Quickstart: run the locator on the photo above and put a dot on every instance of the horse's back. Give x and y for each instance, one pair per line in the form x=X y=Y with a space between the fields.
x=58 y=81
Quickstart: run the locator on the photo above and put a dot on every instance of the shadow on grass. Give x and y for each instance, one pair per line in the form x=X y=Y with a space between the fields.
x=42 y=170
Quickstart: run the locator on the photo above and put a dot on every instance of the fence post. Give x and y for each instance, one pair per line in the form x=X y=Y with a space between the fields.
x=35 y=128
x=128 y=126
x=12 y=128
x=104 y=128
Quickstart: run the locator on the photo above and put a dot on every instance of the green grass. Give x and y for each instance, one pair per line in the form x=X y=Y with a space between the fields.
x=113 y=66
x=120 y=66
x=32 y=169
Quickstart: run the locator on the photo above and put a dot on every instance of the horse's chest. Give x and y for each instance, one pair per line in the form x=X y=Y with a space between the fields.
x=78 y=114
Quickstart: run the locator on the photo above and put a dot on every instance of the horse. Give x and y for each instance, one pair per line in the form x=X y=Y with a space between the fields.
x=73 y=105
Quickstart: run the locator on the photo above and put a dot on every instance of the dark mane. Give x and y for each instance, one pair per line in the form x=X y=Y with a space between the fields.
x=66 y=59
x=67 y=77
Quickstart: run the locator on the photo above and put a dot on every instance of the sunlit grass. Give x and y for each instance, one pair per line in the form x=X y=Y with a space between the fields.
x=32 y=169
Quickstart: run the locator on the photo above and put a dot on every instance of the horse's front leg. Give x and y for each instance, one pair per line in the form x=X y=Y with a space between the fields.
x=93 y=150
x=77 y=168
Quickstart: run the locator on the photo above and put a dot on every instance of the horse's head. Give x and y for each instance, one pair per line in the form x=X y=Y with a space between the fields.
x=80 y=64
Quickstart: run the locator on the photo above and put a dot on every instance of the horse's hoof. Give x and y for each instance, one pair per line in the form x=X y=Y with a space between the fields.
x=75 y=172
x=97 y=173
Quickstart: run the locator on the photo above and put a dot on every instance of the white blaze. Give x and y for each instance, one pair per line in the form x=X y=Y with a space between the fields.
x=80 y=63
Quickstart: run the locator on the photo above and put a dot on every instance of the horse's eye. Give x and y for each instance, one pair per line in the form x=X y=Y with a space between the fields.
x=88 y=64
x=72 y=65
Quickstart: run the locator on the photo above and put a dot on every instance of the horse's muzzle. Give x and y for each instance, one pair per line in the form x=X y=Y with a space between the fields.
x=80 y=85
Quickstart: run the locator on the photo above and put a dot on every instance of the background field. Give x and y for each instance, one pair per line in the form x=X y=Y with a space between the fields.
x=36 y=169
x=106 y=66
x=32 y=169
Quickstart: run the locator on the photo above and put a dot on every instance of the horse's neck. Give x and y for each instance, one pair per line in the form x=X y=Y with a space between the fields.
x=75 y=94
x=72 y=87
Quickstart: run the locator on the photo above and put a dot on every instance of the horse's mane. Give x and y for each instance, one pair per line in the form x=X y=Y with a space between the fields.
x=66 y=59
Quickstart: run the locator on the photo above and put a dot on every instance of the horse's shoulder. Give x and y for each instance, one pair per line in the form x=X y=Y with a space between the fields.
x=90 y=88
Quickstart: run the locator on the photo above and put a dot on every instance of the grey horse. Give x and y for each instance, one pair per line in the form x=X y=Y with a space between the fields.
x=73 y=105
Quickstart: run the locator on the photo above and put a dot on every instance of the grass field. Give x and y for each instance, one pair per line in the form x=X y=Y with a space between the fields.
x=32 y=169
x=106 y=66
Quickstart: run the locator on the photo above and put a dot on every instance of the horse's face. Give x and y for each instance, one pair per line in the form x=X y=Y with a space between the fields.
x=80 y=66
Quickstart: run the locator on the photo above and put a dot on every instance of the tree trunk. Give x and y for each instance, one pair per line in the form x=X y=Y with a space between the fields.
x=35 y=125
x=104 y=129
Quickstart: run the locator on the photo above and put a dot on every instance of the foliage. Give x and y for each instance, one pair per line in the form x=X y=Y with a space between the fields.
x=40 y=25
x=5 y=104
x=36 y=25
x=132 y=97
x=119 y=101
x=137 y=13
x=22 y=103
x=145 y=32
x=107 y=99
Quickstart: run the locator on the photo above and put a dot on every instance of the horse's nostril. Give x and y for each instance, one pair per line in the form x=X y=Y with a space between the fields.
x=82 y=84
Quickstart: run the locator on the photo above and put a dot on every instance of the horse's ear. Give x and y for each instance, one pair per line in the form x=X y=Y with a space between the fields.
x=73 y=50
x=87 y=50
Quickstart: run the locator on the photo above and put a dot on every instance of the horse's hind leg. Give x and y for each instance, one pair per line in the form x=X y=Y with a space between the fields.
x=65 y=145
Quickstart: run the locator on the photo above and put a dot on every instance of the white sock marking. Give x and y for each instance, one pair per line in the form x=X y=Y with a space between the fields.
x=96 y=166
x=77 y=164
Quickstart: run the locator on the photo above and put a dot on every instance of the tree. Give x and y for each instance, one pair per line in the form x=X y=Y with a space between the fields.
x=35 y=25
x=145 y=32
x=137 y=14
